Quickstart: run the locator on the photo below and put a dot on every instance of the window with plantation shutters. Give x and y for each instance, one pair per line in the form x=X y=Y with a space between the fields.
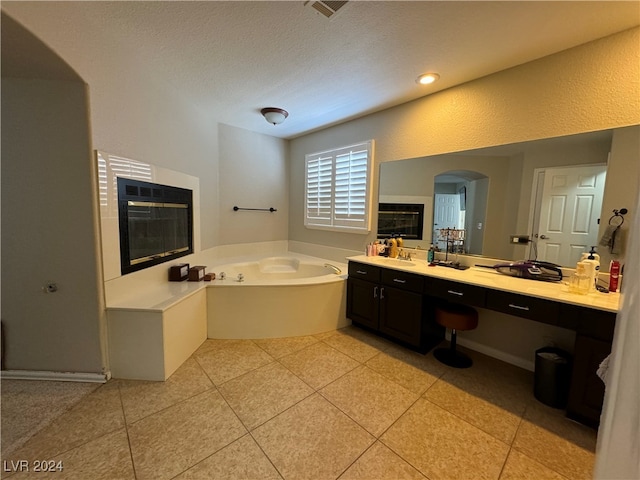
x=337 y=193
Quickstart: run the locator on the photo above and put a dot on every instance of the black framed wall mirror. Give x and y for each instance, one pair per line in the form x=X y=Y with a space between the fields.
x=504 y=195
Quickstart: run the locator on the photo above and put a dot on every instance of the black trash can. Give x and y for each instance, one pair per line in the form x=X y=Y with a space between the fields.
x=552 y=376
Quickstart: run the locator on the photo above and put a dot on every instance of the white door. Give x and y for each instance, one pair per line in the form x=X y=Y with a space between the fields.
x=570 y=208
x=446 y=214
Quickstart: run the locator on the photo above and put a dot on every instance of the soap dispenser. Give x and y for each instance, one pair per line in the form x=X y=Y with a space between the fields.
x=591 y=261
x=580 y=282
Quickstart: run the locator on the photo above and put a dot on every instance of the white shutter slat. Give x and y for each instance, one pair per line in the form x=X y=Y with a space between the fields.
x=337 y=188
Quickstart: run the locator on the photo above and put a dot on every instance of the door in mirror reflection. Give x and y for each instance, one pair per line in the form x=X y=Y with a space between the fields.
x=570 y=203
x=460 y=209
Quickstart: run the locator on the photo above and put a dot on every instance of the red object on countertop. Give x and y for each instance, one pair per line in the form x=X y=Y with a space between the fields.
x=614 y=273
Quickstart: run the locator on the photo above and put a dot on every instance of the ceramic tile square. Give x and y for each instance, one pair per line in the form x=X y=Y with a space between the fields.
x=105 y=458
x=312 y=440
x=486 y=413
x=380 y=463
x=211 y=343
x=442 y=446
x=403 y=373
x=556 y=442
x=555 y=421
x=230 y=359
x=279 y=347
x=323 y=335
x=77 y=426
x=173 y=440
x=352 y=346
x=242 y=460
x=263 y=393
x=425 y=362
x=369 y=398
x=520 y=467
x=319 y=364
x=503 y=384
x=140 y=398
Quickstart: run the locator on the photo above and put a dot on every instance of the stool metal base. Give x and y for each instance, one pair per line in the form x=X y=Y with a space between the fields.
x=453 y=358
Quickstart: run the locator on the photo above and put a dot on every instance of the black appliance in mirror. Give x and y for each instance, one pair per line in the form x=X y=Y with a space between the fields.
x=156 y=223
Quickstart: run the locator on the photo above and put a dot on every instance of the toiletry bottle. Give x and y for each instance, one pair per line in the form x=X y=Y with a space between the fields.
x=580 y=282
x=431 y=254
x=393 y=248
x=614 y=274
x=593 y=269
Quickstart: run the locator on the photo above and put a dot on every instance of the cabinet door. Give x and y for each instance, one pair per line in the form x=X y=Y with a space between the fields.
x=362 y=302
x=401 y=315
x=587 y=390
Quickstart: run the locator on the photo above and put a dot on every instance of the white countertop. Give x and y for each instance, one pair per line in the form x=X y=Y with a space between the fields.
x=483 y=277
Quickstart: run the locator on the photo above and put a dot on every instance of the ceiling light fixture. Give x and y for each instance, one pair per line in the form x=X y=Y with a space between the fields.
x=274 y=115
x=427 y=78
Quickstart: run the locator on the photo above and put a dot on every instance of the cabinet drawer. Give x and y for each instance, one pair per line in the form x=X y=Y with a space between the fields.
x=403 y=280
x=544 y=311
x=456 y=292
x=364 y=271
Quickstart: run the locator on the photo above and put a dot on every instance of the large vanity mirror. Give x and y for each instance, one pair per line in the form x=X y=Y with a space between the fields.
x=474 y=202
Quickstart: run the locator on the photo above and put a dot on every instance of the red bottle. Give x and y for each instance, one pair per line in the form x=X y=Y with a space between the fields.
x=614 y=273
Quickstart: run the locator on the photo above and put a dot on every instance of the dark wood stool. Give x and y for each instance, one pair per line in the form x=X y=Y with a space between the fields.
x=456 y=317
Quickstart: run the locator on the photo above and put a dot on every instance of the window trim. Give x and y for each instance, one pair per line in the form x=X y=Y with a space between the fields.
x=329 y=224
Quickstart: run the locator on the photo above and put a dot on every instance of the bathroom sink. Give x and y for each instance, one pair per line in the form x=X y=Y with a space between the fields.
x=394 y=262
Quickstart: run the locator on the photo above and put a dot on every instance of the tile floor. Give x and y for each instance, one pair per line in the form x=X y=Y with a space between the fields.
x=344 y=404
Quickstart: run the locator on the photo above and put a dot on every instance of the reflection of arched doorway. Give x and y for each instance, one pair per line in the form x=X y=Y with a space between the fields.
x=460 y=203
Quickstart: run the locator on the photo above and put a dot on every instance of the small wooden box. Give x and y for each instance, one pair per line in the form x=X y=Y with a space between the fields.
x=179 y=272
x=208 y=277
x=196 y=274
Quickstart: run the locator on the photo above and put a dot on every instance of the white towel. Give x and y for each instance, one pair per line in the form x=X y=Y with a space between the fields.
x=603 y=369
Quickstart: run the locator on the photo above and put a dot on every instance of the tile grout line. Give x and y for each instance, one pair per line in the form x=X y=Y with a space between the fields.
x=126 y=429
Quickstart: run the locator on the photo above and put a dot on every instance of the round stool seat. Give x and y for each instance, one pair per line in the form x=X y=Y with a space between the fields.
x=456 y=317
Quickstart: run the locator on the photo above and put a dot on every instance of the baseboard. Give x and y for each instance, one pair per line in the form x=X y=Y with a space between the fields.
x=55 y=376
x=492 y=352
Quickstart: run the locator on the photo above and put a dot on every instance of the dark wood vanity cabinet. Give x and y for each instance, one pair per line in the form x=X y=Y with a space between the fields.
x=399 y=305
x=594 y=335
x=391 y=302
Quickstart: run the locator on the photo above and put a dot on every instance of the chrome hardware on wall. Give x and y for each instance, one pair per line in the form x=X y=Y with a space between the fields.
x=271 y=209
x=611 y=236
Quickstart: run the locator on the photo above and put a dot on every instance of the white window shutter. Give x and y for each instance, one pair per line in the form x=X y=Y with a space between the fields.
x=337 y=194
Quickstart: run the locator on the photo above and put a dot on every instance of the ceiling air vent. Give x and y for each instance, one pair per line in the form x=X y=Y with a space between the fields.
x=328 y=9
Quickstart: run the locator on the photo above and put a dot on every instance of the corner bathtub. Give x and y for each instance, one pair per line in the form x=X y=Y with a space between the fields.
x=283 y=296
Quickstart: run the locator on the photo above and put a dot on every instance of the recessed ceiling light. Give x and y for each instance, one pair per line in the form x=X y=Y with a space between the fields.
x=427 y=78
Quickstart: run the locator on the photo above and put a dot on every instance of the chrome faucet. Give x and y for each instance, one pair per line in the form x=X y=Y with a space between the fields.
x=335 y=269
x=403 y=255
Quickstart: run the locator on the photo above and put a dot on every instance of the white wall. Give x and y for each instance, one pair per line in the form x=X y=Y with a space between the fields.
x=50 y=230
x=562 y=94
x=254 y=174
x=623 y=175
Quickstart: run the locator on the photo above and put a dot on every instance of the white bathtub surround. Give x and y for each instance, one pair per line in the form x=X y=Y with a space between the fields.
x=323 y=251
x=150 y=288
x=154 y=325
x=150 y=344
x=281 y=296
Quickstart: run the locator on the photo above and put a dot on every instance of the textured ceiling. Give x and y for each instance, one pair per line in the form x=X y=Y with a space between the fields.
x=233 y=58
